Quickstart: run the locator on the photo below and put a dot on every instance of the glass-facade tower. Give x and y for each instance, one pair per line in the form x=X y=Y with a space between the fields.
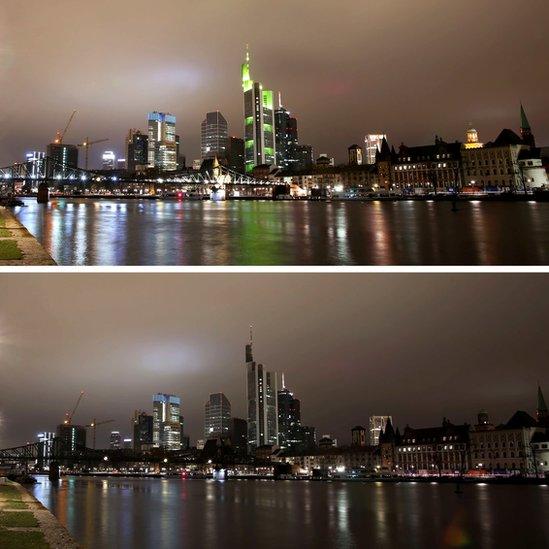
x=217 y=416
x=259 y=123
x=214 y=136
x=162 y=147
x=261 y=396
x=166 y=421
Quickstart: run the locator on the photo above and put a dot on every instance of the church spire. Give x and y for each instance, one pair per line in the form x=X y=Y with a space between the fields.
x=526 y=129
x=541 y=410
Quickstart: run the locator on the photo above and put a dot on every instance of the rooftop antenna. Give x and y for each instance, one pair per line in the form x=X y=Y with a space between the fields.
x=251 y=334
x=279 y=100
x=283 y=383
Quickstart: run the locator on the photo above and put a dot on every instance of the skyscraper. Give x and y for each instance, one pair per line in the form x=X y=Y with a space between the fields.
x=261 y=395
x=217 y=416
x=289 y=418
x=137 y=151
x=235 y=154
x=115 y=442
x=376 y=424
x=142 y=431
x=286 y=138
x=72 y=436
x=259 y=121
x=166 y=421
x=65 y=155
x=372 y=144
x=108 y=160
x=214 y=136
x=162 y=148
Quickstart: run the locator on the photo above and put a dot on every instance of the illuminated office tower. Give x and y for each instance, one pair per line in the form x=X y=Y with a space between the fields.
x=259 y=123
x=214 y=136
x=137 y=151
x=166 y=422
x=35 y=163
x=115 y=441
x=217 y=416
x=162 y=147
x=372 y=144
x=286 y=138
x=261 y=396
x=108 y=160
x=376 y=424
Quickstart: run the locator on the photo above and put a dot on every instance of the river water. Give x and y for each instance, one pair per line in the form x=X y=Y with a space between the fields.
x=158 y=513
x=154 y=232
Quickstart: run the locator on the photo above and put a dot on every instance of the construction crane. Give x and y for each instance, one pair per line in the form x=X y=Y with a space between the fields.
x=61 y=134
x=69 y=415
x=86 y=145
x=94 y=424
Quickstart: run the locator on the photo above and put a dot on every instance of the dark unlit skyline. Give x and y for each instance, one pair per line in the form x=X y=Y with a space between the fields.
x=410 y=69
x=416 y=346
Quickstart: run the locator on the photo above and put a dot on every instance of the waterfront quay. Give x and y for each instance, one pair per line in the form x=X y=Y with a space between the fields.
x=17 y=246
x=26 y=523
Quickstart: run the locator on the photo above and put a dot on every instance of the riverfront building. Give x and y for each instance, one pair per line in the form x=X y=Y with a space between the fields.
x=166 y=421
x=214 y=136
x=217 y=416
x=261 y=396
x=372 y=145
x=162 y=146
x=72 y=436
x=65 y=155
x=142 y=431
x=259 y=122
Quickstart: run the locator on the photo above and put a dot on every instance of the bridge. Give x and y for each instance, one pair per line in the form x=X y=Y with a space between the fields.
x=61 y=451
x=56 y=174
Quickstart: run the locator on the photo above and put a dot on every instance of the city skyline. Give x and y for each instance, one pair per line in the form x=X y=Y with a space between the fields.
x=326 y=84
x=381 y=363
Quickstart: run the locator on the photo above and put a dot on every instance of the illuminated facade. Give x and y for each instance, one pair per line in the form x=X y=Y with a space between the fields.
x=214 y=136
x=217 y=416
x=261 y=397
x=162 y=146
x=108 y=160
x=286 y=139
x=372 y=144
x=259 y=122
x=166 y=422
x=377 y=424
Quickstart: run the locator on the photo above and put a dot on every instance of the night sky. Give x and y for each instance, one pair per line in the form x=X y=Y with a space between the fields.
x=410 y=69
x=416 y=346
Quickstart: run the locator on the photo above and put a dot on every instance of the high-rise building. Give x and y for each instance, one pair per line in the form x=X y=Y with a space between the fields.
x=358 y=436
x=304 y=156
x=261 y=396
x=259 y=121
x=137 y=151
x=372 y=144
x=355 y=155
x=289 y=418
x=108 y=160
x=46 y=438
x=214 y=136
x=239 y=435
x=72 y=436
x=35 y=163
x=142 y=431
x=115 y=441
x=66 y=156
x=217 y=416
x=286 y=137
x=162 y=147
x=166 y=421
x=376 y=424
x=235 y=154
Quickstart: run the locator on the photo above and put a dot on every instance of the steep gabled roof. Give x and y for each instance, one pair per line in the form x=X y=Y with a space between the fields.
x=507 y=137
x=519 y=420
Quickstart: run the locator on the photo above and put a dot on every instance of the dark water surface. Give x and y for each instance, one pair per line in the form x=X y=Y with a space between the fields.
x=149 y=232
x=155 y=513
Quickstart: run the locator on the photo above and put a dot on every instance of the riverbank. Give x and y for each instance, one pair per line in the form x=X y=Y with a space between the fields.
x=26 y=523
x=464 y=197
x=18 y=246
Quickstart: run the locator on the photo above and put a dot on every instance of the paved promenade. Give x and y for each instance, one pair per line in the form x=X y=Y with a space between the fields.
x=17 y=246
x=26 y=524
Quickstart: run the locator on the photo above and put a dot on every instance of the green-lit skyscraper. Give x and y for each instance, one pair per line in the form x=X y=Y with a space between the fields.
x=259 y=137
